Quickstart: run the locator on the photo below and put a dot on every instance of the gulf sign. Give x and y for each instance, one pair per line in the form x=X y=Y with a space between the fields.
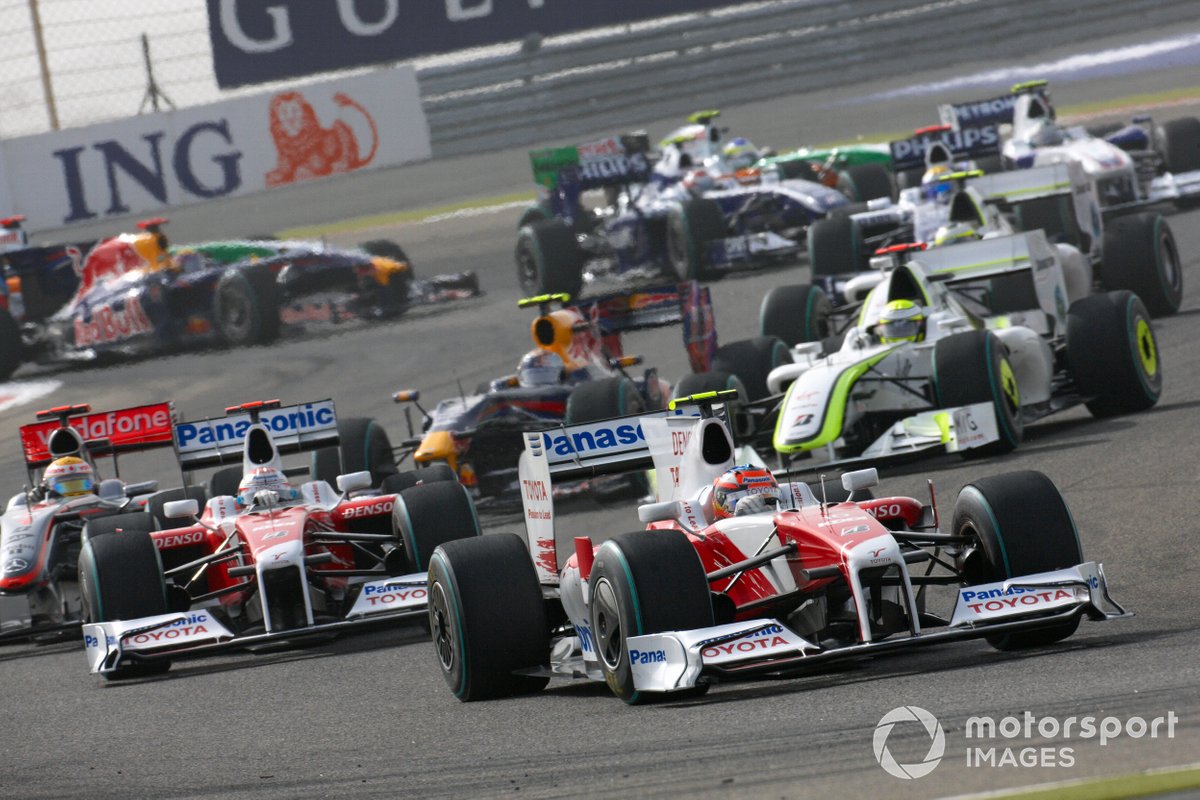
x=126 y=428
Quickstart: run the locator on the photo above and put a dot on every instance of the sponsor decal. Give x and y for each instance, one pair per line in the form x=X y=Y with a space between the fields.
x=369 y=509
x=150 y=424
x=932 y=729
x=216 y=433
x=761 y=642
x=594 y=439
x=178 y=540
x=305 y=150
x=647 y=656
x=15 y=565
x=108 y=325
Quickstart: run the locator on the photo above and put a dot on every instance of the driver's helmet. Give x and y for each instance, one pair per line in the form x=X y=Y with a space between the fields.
x=933 y=185
x=739 y=153
x=69 y=476
x=901 y=321
x=541 y=368
x=265 y=479
x=954 y=233
x=1046 y=133
x=739 y=483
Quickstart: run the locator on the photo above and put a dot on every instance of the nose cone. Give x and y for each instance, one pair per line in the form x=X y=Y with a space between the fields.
x=438 y=446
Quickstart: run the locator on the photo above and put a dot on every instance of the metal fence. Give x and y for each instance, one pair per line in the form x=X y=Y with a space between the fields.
x=514 y=95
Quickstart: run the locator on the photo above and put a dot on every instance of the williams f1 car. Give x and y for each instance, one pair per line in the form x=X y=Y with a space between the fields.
x=697 y=599
x=40 y=530
x=577 y=371
x=271 y=564
x=134 y=293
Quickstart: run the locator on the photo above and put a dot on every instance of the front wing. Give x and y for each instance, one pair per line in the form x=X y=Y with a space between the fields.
x=109 y=645
x=679 y=660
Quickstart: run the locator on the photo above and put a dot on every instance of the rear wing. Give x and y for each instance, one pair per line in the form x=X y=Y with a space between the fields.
x=994 y=110
x=967 y=142
x=294 y=429
x=104 y=433
x=613 y=161
x=687 y=303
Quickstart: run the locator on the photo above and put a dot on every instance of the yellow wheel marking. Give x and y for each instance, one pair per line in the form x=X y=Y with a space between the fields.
x=1147 y=350
x=1008 y=384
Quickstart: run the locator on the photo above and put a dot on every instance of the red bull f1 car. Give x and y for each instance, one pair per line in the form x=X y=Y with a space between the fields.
x=41 y=527
x=265 y=563
x=134 y=293
x=695 y=599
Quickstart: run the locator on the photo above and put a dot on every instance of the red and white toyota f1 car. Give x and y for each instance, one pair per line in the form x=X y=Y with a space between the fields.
x=691 y=601
x=40 y=528
x=275 y=563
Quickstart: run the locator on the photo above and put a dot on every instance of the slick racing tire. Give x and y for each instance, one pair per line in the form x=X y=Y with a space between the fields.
x=796 y=314
x=1055 y=216
x=487 y=617
x=740 y=424
x=1179 y=140
x=11 y=346
x=154 y=506
x=973 y=367
x=752 y=360
x=399 y=481
x=394 y=297
x=246 y=307
x=862 y=183
x=534 y=213
x=690 y=229
x=549 y=259
x=363 y=444
x=1112 y=353
x=224 y=482
x=131 y=522
x=1023 y=527
x=797 y=169
x=120 y=578
x=430 y=514
x=644 y=582
x=1140 y=255
x=607 y=398
x=835 y=246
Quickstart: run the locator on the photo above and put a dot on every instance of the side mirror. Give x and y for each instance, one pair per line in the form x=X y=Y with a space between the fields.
x=860 y=479
x=660 y=512
x=353 y=481
x=181 y=509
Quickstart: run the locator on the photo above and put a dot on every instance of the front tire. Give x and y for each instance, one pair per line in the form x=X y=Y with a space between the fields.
x=549 y=259
x=1023 y=527
x=1113 y=354
x=431 y=514
x=487 y=617
x=835 y=246
x=796 y=314
x=246 y=307
x=644 y=582
x=973 y=367
x=862 y=183
x=690 y=229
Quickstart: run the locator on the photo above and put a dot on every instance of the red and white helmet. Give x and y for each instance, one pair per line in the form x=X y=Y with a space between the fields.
x=262 y=479
x=738 y=483
x=69 y=477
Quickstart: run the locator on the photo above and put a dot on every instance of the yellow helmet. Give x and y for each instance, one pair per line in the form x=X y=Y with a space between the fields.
x=901 y=321
x=69 y=477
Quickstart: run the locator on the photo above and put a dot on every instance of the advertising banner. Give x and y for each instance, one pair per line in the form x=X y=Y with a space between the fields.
x=160 y=161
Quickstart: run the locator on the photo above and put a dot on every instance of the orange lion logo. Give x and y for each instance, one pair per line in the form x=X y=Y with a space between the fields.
x=305 y=149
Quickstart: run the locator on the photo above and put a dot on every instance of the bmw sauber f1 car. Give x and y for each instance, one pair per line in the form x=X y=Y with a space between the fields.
x=41 y=526
x=1135 y=252
x=273 y=564
x=1131 y=167
x=697 y=599
x=134 y=293
x=577 y=371
x=689 y=215
x=1000 y=336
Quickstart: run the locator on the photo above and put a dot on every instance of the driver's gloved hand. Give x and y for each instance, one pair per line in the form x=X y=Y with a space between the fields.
x=756 y=504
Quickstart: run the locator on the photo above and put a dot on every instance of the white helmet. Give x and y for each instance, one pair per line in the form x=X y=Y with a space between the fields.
x=268 y=479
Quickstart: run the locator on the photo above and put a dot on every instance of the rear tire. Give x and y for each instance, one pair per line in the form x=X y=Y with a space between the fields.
x=431 y=514
x=644 y=582
x=120 y=578
x=690 y=229
x=398 y=482
x=1024 y=527
x=796 y=314
x=752 y=360
x=973 y=367
x=363 y=444
x=11 y=346
x=603 y=399
x=549 y=259
x=835 y=246
x=797 y=169
x=862 y=183
x=1113 y=354
x=1180 y=142
x=154 y=506
x=225 y=482
x=487 y=617
x=1140 y=255
x=701 y=382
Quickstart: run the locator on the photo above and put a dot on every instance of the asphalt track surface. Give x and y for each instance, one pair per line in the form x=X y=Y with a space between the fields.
x=370 y=715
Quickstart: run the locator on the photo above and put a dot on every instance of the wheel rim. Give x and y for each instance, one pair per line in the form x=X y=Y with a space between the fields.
x=527 y=271
x=677 y=250
x=1147 y=348
x=1168 y=261
x=606 y=617
x=441 y=628
x=235 y=314
x=1009 y=388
